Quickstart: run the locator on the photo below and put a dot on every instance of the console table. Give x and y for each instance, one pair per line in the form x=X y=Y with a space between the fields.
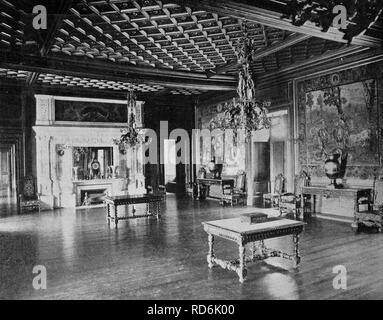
x=244 y=233
x=153 y=206
x=206 y=183
x=354 y=194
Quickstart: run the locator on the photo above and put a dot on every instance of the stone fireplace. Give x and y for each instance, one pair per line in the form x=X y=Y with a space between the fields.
x=58 y=174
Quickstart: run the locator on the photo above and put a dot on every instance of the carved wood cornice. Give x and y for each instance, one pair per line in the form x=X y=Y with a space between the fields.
x=270 y=13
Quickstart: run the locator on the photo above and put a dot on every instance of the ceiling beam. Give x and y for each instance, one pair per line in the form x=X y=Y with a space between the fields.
x=32 y=78
x=168 y=99
x=274 y=48
x=15 y=87
x=269 y=13
x=111 y=71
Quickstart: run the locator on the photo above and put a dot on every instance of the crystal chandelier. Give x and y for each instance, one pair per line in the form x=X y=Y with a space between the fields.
x=131 y=135
x=245 y=112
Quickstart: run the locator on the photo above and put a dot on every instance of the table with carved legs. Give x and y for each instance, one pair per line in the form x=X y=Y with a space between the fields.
x=153 y=206
x=354 y=194
x=254 y=235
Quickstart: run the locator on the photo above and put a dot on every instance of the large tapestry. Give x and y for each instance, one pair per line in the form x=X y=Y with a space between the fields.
x=341 y=111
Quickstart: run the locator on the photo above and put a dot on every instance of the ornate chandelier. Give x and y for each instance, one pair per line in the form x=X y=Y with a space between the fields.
x=131 y=135
x=360 y=14
x=246 y=112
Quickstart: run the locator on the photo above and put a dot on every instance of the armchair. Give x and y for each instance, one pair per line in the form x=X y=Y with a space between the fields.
x=160 y=190
x=373 y=217
x=279 y=187
x=235 y=194
x=29 y=198
x=199 y=190
x=295 y=202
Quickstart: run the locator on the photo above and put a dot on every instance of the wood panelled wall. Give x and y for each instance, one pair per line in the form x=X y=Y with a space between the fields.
x=17 y=114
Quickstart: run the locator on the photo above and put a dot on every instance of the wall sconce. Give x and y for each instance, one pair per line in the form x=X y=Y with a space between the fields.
x=61 y=149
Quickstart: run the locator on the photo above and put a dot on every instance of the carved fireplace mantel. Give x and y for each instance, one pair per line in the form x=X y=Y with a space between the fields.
x=55 y=141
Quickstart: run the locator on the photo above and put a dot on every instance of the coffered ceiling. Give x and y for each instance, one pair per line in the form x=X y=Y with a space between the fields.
x=174 y=47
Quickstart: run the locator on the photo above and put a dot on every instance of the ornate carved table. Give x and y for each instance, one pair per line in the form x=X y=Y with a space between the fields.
x=351 y=193
x=254 y=234
x=153 y=206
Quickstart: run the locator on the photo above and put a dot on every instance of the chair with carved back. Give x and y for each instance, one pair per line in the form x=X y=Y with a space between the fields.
x=295 y=202
x=200 y=190
x=373 y=217
x=160 y=190
x=29 y=198
x=235 y=194
x=279 y=188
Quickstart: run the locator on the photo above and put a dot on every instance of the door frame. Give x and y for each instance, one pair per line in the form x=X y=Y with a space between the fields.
x=15 y=138
x=289 y=154
x=11 y=164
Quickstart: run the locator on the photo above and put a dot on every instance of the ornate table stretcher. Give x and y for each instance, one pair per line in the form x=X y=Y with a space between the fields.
x=254 y=234
x=153 y=206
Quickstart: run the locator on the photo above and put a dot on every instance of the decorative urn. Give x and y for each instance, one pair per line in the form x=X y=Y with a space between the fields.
x=332 y=167
x=212 y=166
x=215 y=169
x=335 y=169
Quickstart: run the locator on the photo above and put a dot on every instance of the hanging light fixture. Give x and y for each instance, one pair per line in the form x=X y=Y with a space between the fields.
x=131 y=135
x=245 y=112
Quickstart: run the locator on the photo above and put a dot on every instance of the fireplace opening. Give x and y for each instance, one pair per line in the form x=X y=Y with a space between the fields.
x=92 y=197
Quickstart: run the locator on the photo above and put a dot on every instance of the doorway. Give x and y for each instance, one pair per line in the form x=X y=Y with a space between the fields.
x=7 y=175
x=170 y=166
x=280 y=154
x=278 y=157
x=261 y=170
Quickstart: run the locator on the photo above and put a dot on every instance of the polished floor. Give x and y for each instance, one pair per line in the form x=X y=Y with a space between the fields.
x=149 y=259
x=8 y=202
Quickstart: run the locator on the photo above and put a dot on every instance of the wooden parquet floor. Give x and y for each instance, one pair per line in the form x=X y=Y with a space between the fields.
x=149 y=259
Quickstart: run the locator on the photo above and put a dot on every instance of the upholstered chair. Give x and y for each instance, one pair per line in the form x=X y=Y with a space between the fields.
x=29 y=198
x=235 y=194
x=279 y=188
x=373 y=217
x=295 y=202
